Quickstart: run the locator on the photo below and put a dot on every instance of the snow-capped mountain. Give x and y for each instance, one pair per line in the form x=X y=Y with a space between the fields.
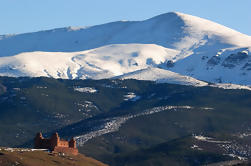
x=162 y=48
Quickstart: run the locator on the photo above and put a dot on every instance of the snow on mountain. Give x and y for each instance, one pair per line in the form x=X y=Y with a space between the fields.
x=162 y=76
x=171 y=30
x=103 y=62
x=172 y=47
x=228 y=65
x=231 y=86
x=165 y=76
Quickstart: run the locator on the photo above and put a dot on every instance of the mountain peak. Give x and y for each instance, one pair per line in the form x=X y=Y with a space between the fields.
x=170 y=16
x=191 y=44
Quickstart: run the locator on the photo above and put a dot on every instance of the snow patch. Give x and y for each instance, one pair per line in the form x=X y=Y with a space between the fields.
x=236 y=156
x=85 y=89
x=87 y=106
x=208 y=139
x=196 y=147
x=131 y=97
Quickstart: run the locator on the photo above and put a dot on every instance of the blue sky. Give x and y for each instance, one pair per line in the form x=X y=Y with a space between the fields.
x=19 y=16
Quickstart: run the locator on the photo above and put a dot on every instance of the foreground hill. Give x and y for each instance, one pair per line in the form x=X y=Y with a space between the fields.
x=29 y=157
x=177 y=42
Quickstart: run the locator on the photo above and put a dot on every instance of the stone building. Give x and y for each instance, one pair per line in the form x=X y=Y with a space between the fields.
x=55 y=144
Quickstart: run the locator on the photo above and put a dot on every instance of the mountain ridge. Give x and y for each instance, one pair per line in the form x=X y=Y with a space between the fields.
x=177 y=42
x=168 y=20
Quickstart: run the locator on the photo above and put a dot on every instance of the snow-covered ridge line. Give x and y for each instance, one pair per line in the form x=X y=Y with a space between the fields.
x=161 y=76
x=113 y=124
x=164 y=76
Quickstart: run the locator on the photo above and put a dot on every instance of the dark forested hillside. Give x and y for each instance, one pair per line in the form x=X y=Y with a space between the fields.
x=129 y=122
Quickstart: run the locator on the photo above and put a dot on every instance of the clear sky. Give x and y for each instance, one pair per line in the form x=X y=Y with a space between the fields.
x=19 y=16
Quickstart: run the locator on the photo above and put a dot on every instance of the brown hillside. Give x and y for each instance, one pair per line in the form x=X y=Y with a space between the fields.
x=25 y=157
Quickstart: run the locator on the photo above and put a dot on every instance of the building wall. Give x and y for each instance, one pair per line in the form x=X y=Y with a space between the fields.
x=55 y=144
x=66 y=150
x=63 y=144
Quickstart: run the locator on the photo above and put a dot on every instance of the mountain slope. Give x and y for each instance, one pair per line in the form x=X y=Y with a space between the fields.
x=181 y=43
x=103 y=62
x=161 y=76
x=158 y=30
